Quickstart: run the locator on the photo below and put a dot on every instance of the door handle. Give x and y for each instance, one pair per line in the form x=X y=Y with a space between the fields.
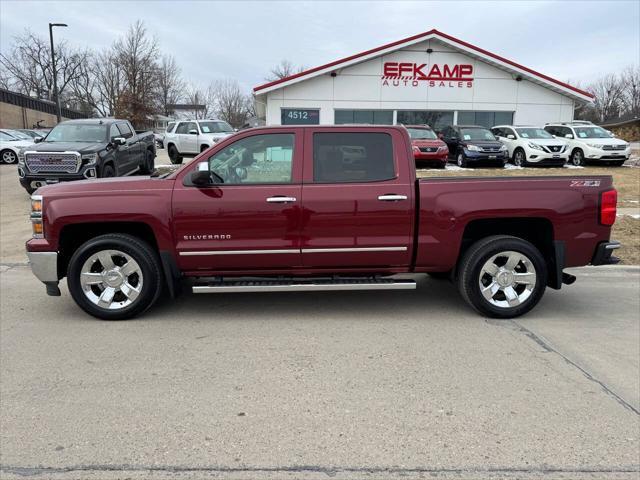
x=392 y=198
x=281 y=199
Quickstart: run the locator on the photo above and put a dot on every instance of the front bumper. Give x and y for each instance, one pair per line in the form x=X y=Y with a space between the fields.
x=606 y=155
x=489 y=157
x=603 y=254
x=546 y=159
x=435 y=157
x=44 y=266
x=28 y=179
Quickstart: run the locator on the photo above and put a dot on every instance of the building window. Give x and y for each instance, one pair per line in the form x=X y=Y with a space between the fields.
x=370 y=117
x=300 y=116
x=485 y=119
x=436 y=120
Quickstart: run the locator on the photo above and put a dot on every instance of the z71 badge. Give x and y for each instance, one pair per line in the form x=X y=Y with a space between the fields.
x=584 y=183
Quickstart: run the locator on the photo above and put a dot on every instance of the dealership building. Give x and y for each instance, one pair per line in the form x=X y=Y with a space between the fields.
x=430 y=78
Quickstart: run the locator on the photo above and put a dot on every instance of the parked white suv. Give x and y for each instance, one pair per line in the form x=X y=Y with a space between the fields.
x=590 y=143
x=532 y=145
x=190 y=137
x=11 y=145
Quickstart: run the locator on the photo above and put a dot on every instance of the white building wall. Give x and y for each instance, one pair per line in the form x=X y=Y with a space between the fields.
x=361 y=87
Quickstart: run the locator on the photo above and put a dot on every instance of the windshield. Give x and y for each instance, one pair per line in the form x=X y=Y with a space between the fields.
x=20 y=135
x=476 y=134
x=78 y=133
x=592 y=132
x=533 y=133
x=215 y=127
x=7 y=138
x=422 y=134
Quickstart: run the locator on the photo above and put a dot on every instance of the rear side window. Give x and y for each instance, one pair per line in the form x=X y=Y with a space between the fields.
x=352 y=157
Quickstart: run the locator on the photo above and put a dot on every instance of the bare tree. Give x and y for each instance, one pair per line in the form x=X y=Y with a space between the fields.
x=231 y=103
x=608 y=93
x=631 y=90
x=28 y=66
x=170 y=84
x=136 y=55
x=197 y=96
x=284 y=69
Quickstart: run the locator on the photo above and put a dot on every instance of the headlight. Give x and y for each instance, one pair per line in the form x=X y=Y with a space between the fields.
x=90 y=158
x=474 y=148
x=535 y=146
x=443 y=148
x=503 y=148
x=37 y=225
x=21 y=156
x=595 y=145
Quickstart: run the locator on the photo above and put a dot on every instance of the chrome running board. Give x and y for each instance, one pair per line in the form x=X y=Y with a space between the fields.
x=233 y=286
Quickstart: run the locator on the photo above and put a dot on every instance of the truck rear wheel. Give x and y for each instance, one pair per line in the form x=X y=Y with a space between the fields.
x=148 y=164
x=114 y=276
x=502 y=276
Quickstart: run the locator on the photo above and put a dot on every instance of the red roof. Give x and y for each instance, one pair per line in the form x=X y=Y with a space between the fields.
x=416 y=37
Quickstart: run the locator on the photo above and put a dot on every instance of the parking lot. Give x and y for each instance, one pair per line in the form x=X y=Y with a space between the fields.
x=316 y=385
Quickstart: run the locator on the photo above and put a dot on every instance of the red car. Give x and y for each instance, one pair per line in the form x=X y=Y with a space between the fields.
x=311 y=208
x=427 y=147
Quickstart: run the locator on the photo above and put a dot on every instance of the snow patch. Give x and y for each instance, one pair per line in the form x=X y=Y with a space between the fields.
x=566 y=165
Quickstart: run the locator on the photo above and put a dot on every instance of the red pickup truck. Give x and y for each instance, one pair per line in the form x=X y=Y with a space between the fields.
x=316 y=208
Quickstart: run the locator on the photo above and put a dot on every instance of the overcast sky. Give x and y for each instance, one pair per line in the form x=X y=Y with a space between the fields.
x=569 y=40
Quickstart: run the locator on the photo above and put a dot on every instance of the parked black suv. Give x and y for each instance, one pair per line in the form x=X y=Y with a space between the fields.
x=84 y=149
x=474 y=144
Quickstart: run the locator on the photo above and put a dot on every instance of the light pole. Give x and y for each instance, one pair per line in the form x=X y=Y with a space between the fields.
x=53 y=66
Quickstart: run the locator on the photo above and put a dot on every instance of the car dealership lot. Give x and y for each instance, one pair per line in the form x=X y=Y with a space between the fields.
x=317 y=385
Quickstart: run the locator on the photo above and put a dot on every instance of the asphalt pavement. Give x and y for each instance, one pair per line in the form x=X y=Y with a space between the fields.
x=345 y=385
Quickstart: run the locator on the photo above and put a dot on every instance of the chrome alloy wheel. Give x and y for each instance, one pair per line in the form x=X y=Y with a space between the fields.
x=577 y=158
x=507 y=279
x=111 y=279
x=519 y=158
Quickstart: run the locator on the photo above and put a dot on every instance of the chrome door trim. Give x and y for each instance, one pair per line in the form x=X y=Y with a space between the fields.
x=354 y=249
x=392 y=198
x=281 y=199
x=237 y=252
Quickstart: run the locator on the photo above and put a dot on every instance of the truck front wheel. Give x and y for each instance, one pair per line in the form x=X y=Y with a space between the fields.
x=114 y=276
x=502 y=276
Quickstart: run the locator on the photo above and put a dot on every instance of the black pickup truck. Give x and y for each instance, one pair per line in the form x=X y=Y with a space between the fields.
x=85 y=149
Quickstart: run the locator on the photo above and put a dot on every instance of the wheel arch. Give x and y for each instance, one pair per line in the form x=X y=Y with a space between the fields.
x=74 y=235
x=538 y=231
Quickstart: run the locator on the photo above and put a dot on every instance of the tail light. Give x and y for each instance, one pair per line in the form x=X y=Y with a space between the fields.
x=608 y=202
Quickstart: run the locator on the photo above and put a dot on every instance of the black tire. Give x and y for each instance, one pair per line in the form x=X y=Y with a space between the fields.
x=174 y=156
x=108 y=171
x=461 y=160
x=30 y=189
x=470 y=276
x=519 y=158
x=140 y=251
x=8 y=156
x=577 y=158
x=148 y=164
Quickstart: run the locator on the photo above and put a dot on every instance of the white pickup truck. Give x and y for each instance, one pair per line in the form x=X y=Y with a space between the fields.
x=190 y=137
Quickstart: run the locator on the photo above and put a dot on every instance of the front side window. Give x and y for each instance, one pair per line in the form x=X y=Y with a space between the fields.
x=125 y=130
x=170 y=126
x=352 y=157
x=256 y=159
x=476 y=134
x=114 y=132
